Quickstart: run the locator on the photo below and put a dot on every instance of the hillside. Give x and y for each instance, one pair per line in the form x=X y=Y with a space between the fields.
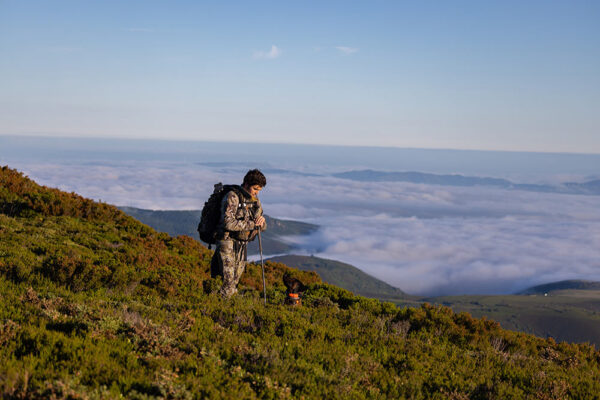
x=175 y=223
x=563 y=285
x=572 y=316
x=94 y=304
x=345 y=276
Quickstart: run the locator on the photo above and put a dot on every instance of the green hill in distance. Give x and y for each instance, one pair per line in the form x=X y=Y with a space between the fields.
x=573 y=284
x=185 y=222
x=564 y=314
x=345 y=276
x=96 y=305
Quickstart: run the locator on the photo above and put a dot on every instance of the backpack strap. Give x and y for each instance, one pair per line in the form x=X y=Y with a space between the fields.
x=245 y=200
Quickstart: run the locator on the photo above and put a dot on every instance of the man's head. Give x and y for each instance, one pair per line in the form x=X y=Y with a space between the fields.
x=254 y=181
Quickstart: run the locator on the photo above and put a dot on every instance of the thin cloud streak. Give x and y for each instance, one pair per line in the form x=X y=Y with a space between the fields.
x=140 y=30
x=346 y=50
x=63 y=49
x=274 y=53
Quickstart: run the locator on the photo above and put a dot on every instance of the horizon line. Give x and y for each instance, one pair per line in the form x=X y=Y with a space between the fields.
x=358 y=146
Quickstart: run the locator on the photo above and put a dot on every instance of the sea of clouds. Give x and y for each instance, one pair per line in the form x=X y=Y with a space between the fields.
x=424 y=239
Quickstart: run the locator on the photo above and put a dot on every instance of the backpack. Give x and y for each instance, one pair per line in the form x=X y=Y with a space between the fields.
x=211 y=213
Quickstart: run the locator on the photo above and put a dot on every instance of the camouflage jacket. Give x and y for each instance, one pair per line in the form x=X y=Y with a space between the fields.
x=238 y=215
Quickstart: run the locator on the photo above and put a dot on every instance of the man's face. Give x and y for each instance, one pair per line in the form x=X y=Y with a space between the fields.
x=253 y=190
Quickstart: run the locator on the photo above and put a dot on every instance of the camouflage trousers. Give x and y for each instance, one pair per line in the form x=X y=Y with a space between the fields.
x=229 y=261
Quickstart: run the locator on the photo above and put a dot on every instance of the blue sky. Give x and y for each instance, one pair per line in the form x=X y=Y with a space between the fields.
x=509 y=75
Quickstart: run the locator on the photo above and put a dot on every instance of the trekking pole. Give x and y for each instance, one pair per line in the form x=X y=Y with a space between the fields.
x=262 y=264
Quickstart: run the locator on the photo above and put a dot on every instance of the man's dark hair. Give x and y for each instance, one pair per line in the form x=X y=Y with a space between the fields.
x=254 y=177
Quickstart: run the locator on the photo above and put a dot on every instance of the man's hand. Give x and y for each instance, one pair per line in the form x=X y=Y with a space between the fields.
x=259 y=222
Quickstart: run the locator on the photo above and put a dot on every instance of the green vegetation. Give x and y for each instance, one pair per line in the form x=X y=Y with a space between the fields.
x=185 y=222
x=345 y=276
x=94 y=304
x=570 y=311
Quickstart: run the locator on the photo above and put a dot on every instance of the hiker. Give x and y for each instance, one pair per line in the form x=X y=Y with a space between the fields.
x=241 y=217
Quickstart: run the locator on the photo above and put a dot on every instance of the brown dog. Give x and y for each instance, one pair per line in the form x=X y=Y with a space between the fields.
x=295 y=289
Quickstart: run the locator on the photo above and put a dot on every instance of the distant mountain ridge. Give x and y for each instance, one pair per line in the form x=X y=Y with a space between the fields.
x=591 y=187
x=573 y=284
x=185 y=222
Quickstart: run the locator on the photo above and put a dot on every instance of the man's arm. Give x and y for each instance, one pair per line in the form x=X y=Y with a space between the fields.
x=229 y=208
x=259 y=213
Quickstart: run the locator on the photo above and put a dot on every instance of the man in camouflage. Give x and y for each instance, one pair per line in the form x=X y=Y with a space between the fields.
x=241 y=217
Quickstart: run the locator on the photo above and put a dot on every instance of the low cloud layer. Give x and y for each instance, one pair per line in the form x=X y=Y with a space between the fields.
x=464 y=255
x=424 y=239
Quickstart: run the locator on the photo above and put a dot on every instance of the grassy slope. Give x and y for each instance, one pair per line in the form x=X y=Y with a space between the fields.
x=571 y=314
x=345 y=276
x=94 y=304
x=186 y=222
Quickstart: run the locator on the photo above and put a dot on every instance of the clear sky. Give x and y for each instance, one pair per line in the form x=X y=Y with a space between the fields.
x=491 y=75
